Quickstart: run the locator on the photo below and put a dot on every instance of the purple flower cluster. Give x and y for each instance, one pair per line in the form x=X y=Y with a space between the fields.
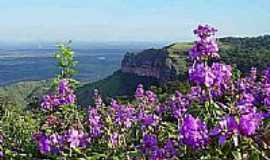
x=139 y=92
x=151 y=148
x=95 y=124
x=201 y=75
x=64 y=96
x=146 y=96
x=197 y=94
x=148 y=119
x=206 y=46
x=54 y=143
x=228 y=126
x=217 y=77
x=194 y=132
x=77 y=138
x=246 y=102
x=266 y=88
x=225 y=129
x=178 y=105
x=205 y=31
x=123 y=115
x=204 y=49
x=249 y=123
x=43 y=142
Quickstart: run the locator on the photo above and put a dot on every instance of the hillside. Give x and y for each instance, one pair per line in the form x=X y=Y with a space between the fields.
x=155 y=66
x=21 y=93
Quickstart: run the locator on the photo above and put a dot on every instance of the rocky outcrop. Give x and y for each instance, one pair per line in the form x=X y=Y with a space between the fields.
x=164 y=64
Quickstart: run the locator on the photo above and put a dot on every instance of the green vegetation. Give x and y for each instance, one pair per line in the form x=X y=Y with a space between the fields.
x=118 y=84
x=243 y=52
x=246 y=52
x=20 y=93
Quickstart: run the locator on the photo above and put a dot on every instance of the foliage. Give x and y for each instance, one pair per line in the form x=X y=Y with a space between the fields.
x=65 y=58
x=16 y=129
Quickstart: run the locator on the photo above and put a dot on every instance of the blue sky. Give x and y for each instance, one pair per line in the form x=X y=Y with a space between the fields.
x=129 y=20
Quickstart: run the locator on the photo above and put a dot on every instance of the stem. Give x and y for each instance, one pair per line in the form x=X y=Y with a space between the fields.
x=79 y=121
x=260 y=152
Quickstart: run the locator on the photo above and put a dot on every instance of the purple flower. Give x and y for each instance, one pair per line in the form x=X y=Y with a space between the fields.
x=146 y=96
x=56 y=139
x=266 y=115
x=151 y=96
x=178 y=105
x=161 y=109
x=222 y=72
x=205 y=47
x=225 y=129
x=169 y=149
x=150 y=144
x=245 y=104
x=76 y=138
x=197 y=94
x=267 y=74
x=123 y=115
x=65 y=93
x=249 y=123
x=63 y=87
x=151 y=149
x=114 y=139
x=201 y=75
x=139 y=91
x=148 y=119
x=205 y=31
x=44 y=143
x=49 y=102
x=217 y=77
x=1 y=154
x=194 y=132
x=64 y=96
x=267 y=101
x=95 y=124
x=265 y=87
x=1 y=141
x=157 y=154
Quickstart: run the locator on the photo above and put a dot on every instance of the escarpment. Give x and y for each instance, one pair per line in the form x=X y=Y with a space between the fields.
x=168 y=63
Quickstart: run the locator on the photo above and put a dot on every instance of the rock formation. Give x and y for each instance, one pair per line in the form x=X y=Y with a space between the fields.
x=168 y=63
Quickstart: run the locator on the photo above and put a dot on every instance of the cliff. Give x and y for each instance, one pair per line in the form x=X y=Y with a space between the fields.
x=165 y=64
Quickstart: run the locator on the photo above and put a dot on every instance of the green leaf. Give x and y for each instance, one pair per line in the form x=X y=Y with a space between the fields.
x=97 y=156
x=237 y=155
x=255 y=155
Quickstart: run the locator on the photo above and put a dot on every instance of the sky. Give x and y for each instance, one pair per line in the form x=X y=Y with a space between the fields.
x=129 y=20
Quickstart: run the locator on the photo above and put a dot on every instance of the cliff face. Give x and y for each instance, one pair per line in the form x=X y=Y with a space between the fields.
x=168 y=63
